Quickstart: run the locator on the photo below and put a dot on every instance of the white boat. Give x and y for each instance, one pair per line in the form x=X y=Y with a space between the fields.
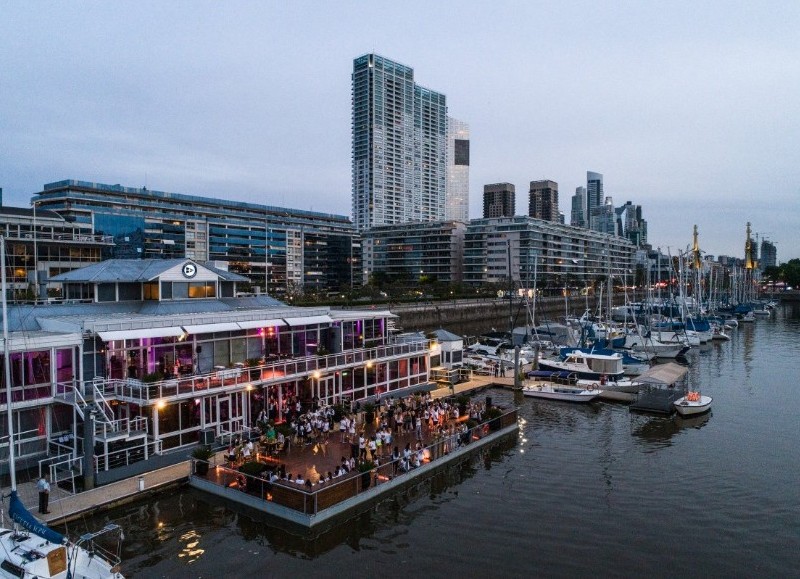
x=551 y=391
x=586 y=365
x=749 y=317
x=31 y=548
x=624 y=390
x=719 y=334
x=762 y=313
x=693 y=403
x=659 y=349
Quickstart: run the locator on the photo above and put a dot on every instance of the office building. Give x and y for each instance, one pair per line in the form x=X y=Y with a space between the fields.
x=594 y=194
x=768 y=256
x=578 y=215
x=281 y=251
x=630 y=224
x=41 y=244
x=543 y=201
x=399 y=132
x=457 y=196
x=604 y=218
x=520 y=247
x=432 y=251
x=498 y=200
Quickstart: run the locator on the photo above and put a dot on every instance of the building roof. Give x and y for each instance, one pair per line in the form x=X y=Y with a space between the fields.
x=27 y=212
x=134 y=270
x=443 y=335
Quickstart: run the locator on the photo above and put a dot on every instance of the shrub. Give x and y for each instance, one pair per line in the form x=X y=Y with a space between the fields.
x=202 y=453
x=253 y=468
x=493 y=412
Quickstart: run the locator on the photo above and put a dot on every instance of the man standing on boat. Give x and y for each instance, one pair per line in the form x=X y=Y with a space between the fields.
x=44 y=495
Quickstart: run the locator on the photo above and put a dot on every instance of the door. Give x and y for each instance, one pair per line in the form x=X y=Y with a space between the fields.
x=224 y=415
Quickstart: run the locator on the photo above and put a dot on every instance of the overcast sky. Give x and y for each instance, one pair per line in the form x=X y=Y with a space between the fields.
x=690 y=109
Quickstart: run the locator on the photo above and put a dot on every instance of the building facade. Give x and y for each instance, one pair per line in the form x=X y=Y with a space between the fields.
x=543 y=201
x=630 y=224
x=604 y=218
x=163 y=355
x=279 y=250
x=457 y=197
x=399 y=132
x=578 y=215
x=430 y=251
x=594 y=195
x=41 y=244
x=768 y=256
x=499 y=200
x=521 y=248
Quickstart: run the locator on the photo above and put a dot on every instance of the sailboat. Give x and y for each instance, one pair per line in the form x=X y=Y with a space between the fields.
x=31 y=548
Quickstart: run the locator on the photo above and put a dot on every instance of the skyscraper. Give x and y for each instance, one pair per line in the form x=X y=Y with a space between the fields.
x=399 y=145
x=543 y=201
x=594 y=195
x=457 y=198
x=498 y=200
x=578 y=215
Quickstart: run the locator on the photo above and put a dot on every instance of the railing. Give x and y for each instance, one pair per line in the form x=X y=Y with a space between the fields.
x=294 y=496
x=62 y=463
x=50 y=236
x=121 y=425
x=126 y=456
x=264 y=374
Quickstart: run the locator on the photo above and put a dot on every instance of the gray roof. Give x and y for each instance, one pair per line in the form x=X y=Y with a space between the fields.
x=443 y=335
x=133 y=270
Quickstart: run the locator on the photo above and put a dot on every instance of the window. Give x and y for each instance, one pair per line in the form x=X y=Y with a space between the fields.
x=151 y=291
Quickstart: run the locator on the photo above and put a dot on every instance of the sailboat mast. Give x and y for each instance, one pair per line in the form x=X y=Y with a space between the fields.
x=12 y=471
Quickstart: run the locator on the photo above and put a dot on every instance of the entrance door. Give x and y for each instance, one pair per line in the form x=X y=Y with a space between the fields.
x=224 y=415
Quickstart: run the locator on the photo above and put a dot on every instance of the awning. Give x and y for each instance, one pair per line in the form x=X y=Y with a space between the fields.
x=352 y=315
x=261 y=324
x=210 y=328
x=307 y=321
x=141 y=333
x=663 y=374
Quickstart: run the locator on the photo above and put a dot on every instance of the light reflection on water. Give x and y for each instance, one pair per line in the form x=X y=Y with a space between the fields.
x=582 y=490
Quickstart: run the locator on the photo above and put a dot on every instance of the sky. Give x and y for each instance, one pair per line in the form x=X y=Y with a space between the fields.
x=689 y=109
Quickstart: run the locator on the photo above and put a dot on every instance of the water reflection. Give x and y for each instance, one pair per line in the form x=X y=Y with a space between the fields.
x=657 y=432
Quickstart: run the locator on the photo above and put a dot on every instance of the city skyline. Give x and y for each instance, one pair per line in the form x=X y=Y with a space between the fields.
x=696 y=124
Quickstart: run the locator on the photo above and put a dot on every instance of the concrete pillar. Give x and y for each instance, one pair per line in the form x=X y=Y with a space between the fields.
x=517 y=383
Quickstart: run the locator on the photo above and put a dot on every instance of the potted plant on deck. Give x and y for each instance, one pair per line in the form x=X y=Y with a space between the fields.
x=202 y=454
x=365 y=468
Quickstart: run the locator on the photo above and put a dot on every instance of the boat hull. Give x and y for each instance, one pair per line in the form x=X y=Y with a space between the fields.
x=561 y=393
x=686 y=407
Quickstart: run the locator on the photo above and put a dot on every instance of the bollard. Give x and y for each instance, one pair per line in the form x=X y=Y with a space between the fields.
x=141 y=483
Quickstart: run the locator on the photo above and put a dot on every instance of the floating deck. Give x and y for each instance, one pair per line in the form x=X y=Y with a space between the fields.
x=656 y=400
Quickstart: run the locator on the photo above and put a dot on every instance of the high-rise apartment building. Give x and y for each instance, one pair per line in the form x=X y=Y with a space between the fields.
x=457 y=197
x=578 y=215
x=604 y=217
x=769 y=255
x=543 y=201
x=399 y=145
x=594 y=194
x=630 y=224
x=498 y=200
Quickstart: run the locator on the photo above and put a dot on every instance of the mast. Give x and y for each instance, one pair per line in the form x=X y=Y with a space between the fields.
x=12 y=471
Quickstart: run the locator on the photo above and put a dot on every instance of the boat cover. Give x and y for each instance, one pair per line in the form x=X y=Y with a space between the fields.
x=663 y=374
x=563 y=374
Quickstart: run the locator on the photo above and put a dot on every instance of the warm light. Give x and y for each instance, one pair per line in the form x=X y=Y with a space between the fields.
x=248 y=387
x=161 y=404
x=369 y=364
x=317 y=375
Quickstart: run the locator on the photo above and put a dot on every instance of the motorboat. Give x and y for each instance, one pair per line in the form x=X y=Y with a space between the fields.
x=552 y=391
x=693 y=403
x=586 y=365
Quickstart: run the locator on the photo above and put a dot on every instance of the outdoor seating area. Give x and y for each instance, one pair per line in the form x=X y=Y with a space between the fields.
x=308 y=474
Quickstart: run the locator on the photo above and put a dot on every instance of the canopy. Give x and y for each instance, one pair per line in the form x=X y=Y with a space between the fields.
x=307 y=321
x=261 y=324
x=663 y=374
x=140 y=333
x=209 y=328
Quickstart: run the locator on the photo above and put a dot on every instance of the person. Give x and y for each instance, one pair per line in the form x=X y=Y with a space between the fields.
x=44 y=495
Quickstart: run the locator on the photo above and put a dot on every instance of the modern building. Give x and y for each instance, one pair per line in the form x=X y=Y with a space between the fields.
x=594 y=194
x=163 y=355
x=498 y=200
x=578 y=216
x=430 y=251
x=604 y=218
x=399 y=145
x=41 y=244
x=457 y=196
x=519 y=248
x=768 y=255
x=630 y=224
x=279 y=250
x=543 y=201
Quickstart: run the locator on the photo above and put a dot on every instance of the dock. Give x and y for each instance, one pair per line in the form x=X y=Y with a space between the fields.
x=656 y=400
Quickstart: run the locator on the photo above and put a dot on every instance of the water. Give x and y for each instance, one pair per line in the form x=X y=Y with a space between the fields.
x=581 y=491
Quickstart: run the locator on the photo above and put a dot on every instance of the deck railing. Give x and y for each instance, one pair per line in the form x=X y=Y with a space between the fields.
x=263 y=374
x=310 y=502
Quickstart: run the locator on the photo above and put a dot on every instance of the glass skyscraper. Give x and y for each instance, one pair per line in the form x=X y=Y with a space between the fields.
x=457 y=205
x=399 y=145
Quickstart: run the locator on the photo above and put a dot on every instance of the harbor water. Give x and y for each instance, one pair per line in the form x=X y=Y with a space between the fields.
x=580 y=491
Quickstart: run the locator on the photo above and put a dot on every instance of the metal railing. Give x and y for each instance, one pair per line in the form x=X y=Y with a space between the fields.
x=263 y=374
x=323 y=496
x=126 y=456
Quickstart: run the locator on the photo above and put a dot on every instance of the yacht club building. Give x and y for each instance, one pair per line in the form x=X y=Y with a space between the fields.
x=153 y=355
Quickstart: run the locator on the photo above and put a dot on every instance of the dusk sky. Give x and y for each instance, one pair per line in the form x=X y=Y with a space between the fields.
x=690 y=109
